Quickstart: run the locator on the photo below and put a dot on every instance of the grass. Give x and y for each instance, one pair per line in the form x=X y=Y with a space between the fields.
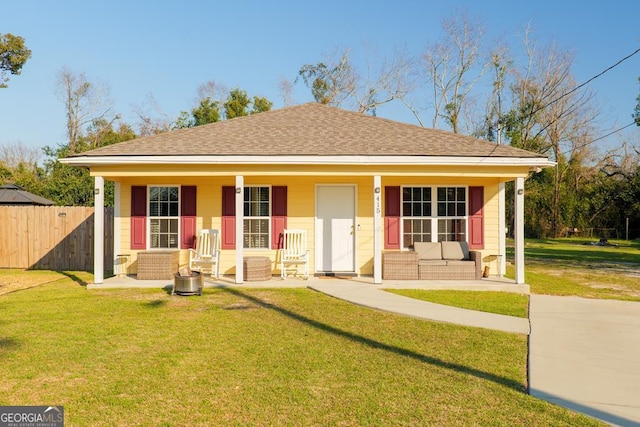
x=493 y=302
x=576 y=267
x=564 y=267
x=255 y=357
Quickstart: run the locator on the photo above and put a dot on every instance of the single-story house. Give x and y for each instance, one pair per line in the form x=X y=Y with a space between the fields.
x=360 y=186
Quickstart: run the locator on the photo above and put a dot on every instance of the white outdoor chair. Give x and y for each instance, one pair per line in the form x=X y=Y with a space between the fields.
x=294 y=252
x=206 y=255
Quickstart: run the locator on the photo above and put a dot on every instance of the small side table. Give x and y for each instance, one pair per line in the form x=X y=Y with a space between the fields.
x=498 y=258
x=256 y=268
x=121 y=266
x=157 y=264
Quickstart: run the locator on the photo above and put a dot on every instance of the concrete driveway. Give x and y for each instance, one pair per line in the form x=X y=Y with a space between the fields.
x=585 y=355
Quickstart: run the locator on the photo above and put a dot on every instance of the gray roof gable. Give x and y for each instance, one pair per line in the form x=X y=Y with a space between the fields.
x=309 y=130
x=13 y=195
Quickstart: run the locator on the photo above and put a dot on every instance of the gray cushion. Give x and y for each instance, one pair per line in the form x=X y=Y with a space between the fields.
x=428 y=250
x=455 y=250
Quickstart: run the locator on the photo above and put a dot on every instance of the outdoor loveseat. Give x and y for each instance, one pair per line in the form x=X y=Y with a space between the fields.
x=433 y=261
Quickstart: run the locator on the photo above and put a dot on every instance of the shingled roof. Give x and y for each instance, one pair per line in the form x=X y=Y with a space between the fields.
x=13 y=195
x=309 y=130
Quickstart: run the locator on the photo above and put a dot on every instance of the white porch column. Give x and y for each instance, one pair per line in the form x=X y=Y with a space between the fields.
x=502 y=230
x=98 y=231
x=377 y=230
x=239 y=228
x=519 y=230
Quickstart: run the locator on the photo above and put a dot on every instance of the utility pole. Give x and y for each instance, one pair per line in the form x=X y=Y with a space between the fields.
x=627 y=228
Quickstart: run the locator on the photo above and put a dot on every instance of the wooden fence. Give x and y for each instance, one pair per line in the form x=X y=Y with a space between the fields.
x=52 y=237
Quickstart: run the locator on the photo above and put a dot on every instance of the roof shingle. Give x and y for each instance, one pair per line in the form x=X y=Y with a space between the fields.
x=309 y=130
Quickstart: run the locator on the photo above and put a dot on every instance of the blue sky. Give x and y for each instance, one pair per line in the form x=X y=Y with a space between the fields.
x=167 y=49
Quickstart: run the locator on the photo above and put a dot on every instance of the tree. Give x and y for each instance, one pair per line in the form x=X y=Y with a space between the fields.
x=151 y=119
x=286 y=89
x=550 y=117
x=449 y=65
x=13 y=155
x=19 y=166
x=207 y=111
x=13 y=55
x=261 y=105
x=209 y=100
x=336 y=82
x=330 y=83
x=636 y=111
x=71 y=186
x=238 y=102
x=84 y=102
x=495 y=119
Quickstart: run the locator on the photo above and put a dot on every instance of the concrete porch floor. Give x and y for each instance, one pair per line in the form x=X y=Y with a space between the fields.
x=487 y=284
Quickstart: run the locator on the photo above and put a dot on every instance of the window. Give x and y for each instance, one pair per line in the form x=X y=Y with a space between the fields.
x=416 y=212
x=164 y=219
x=426 y=220
x=452 y=204
x=257 y=219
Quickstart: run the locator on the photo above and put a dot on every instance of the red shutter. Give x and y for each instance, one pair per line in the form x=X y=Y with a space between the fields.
x=476 y=217
x=187 y=216
x=138 y=217
x=228 y=218
x=392 y=217
x=278 y=216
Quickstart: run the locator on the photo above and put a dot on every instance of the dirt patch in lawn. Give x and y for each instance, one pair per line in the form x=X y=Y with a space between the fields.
x=17 y=280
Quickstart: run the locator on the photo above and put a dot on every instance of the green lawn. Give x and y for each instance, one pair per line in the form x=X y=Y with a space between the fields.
x=555 y=267
x=509 y=304
x=576 y=267
x=255 y=357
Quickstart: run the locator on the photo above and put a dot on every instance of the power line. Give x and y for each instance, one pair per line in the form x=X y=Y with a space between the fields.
x=582 y=85
x=586 y=83
x=599 y=138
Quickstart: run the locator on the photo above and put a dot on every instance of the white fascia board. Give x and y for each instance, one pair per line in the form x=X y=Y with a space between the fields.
x=540 y=162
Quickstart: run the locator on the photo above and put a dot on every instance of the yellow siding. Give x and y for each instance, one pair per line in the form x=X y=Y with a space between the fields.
x=301 y=192
x=491 y=224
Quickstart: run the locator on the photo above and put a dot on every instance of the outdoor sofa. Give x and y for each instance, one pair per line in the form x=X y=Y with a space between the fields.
x=433 y=261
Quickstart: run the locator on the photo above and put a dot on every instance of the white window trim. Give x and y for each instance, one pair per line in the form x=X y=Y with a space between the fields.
x=149 y=217
x=434 y=211
x=268 y=217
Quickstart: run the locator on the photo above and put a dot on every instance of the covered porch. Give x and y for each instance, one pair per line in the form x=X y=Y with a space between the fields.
x=368 y=226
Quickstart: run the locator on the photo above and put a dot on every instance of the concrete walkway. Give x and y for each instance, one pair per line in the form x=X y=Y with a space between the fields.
x=585 y=355
x=374 y=297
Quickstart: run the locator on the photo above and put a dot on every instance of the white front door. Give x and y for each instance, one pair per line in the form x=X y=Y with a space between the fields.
x=335 y=230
